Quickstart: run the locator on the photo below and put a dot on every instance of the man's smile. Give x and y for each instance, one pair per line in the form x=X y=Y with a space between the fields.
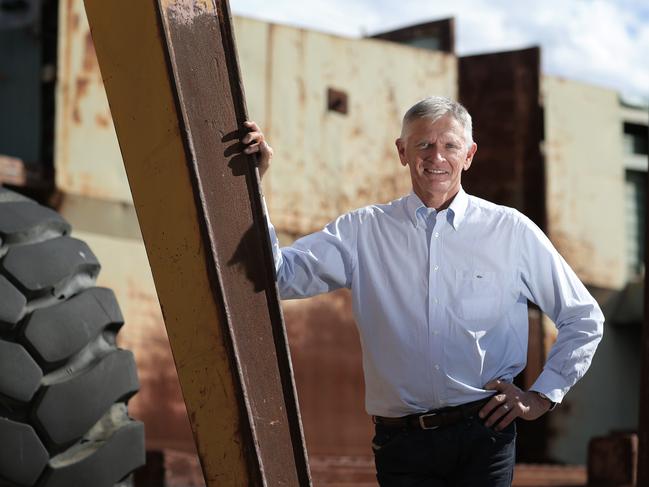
x=435 y=172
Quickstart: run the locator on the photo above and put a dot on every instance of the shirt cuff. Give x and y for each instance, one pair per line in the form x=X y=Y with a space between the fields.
x=274 y=241
x=553 y=385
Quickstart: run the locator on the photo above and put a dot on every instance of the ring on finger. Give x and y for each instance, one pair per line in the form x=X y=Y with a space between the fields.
x=506 y=407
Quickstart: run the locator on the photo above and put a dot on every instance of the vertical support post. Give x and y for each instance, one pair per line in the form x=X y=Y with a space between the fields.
x=643 y=430
x=172 y=79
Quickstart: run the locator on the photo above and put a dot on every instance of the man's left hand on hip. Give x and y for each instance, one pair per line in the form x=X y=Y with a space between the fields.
x=511 y=403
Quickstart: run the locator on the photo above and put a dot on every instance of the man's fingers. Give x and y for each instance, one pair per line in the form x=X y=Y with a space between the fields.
x=252 y=137
x=509 y=417
x=252 y=126
x=497 y=413
x=493 y=403
x=254 y=142
x=495 y=385
x=252 y=148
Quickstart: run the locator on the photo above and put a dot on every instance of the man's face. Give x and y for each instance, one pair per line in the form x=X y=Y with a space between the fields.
x=436 y=153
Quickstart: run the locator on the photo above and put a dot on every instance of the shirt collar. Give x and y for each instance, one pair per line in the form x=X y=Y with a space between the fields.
x=457 y=208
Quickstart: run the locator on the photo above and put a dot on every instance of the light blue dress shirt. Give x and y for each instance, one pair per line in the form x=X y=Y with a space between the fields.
x=440 y=299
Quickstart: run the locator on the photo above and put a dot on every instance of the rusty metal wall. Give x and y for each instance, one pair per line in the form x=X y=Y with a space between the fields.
x=326 y=163
x=585 y=179
x=86 y=154
x=585 y=198
x=501 y=91
x=328 y=373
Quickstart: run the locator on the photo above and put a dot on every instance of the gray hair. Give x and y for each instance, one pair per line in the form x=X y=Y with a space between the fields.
x=436 y=107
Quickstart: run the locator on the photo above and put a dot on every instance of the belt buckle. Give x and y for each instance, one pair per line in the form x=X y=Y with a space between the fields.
x=423 y=425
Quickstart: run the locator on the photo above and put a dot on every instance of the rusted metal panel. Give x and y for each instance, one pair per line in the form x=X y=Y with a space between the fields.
x=613 y=461
x=585 y=179
x=501 y=91
x=437 y=35
x=178 y=104
x=643 y=427
x=327 y=163
x=86 y=154
x=287 y=82
x=326 y=352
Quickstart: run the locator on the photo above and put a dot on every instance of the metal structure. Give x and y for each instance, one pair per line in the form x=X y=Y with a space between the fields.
x=643 y=427
x=173 y=85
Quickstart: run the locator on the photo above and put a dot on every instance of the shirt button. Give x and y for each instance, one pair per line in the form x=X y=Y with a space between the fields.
x=436 y=234
x=436 y=267
x=435 y=300
x=436 y=367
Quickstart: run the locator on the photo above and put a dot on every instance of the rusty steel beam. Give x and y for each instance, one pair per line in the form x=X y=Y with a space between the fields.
x=171 y=75
x=643 y=427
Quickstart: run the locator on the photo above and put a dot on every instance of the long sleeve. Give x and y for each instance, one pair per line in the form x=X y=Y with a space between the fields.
x=551 y=284
x=317 y=263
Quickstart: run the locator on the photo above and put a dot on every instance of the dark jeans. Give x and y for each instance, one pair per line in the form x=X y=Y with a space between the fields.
x=467 y=454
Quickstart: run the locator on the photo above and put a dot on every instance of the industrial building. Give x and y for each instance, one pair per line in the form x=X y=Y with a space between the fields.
x=570 y=155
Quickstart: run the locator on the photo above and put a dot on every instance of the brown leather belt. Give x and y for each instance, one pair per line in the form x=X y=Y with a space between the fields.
x=434 y=419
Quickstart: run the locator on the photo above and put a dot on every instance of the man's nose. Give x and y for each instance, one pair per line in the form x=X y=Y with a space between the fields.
x=435 y=155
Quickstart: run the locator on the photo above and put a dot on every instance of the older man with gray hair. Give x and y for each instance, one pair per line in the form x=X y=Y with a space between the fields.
x=440 y=282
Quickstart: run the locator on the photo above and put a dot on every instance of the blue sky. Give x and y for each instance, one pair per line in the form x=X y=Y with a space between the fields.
x=603 y=42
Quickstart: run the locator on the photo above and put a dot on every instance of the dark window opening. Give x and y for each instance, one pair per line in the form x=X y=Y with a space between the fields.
x=635 y=139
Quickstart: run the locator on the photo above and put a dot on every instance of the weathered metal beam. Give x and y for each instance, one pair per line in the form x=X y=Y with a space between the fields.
x=171 y=74
x=643 y=429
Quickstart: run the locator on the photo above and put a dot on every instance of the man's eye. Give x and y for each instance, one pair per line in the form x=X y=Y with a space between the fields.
x=451 y=146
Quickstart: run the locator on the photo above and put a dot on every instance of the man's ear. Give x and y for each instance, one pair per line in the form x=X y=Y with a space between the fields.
x=469 y=156
x=401 y=149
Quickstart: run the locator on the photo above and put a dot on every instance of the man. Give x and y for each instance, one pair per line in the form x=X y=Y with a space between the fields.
x=440 y=283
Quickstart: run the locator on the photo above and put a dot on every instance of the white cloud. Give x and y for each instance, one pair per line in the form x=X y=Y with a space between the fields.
x=603 y=42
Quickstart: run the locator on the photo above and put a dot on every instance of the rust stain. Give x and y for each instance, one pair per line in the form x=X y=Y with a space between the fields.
x=102 y=121
x=301 y=62
x=76 y=20
x=76 y=115
x=89 y=57
x=81 y=87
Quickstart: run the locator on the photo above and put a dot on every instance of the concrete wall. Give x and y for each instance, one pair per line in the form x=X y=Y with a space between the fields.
x=585 y=179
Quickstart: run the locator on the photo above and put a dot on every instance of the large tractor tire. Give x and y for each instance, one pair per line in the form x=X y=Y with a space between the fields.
x=64 y=384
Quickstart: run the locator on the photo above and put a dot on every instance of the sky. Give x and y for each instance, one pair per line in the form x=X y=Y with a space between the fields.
x=602 y=42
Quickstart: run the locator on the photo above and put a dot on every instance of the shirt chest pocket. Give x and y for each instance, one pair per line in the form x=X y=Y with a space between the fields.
x=479 y=296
